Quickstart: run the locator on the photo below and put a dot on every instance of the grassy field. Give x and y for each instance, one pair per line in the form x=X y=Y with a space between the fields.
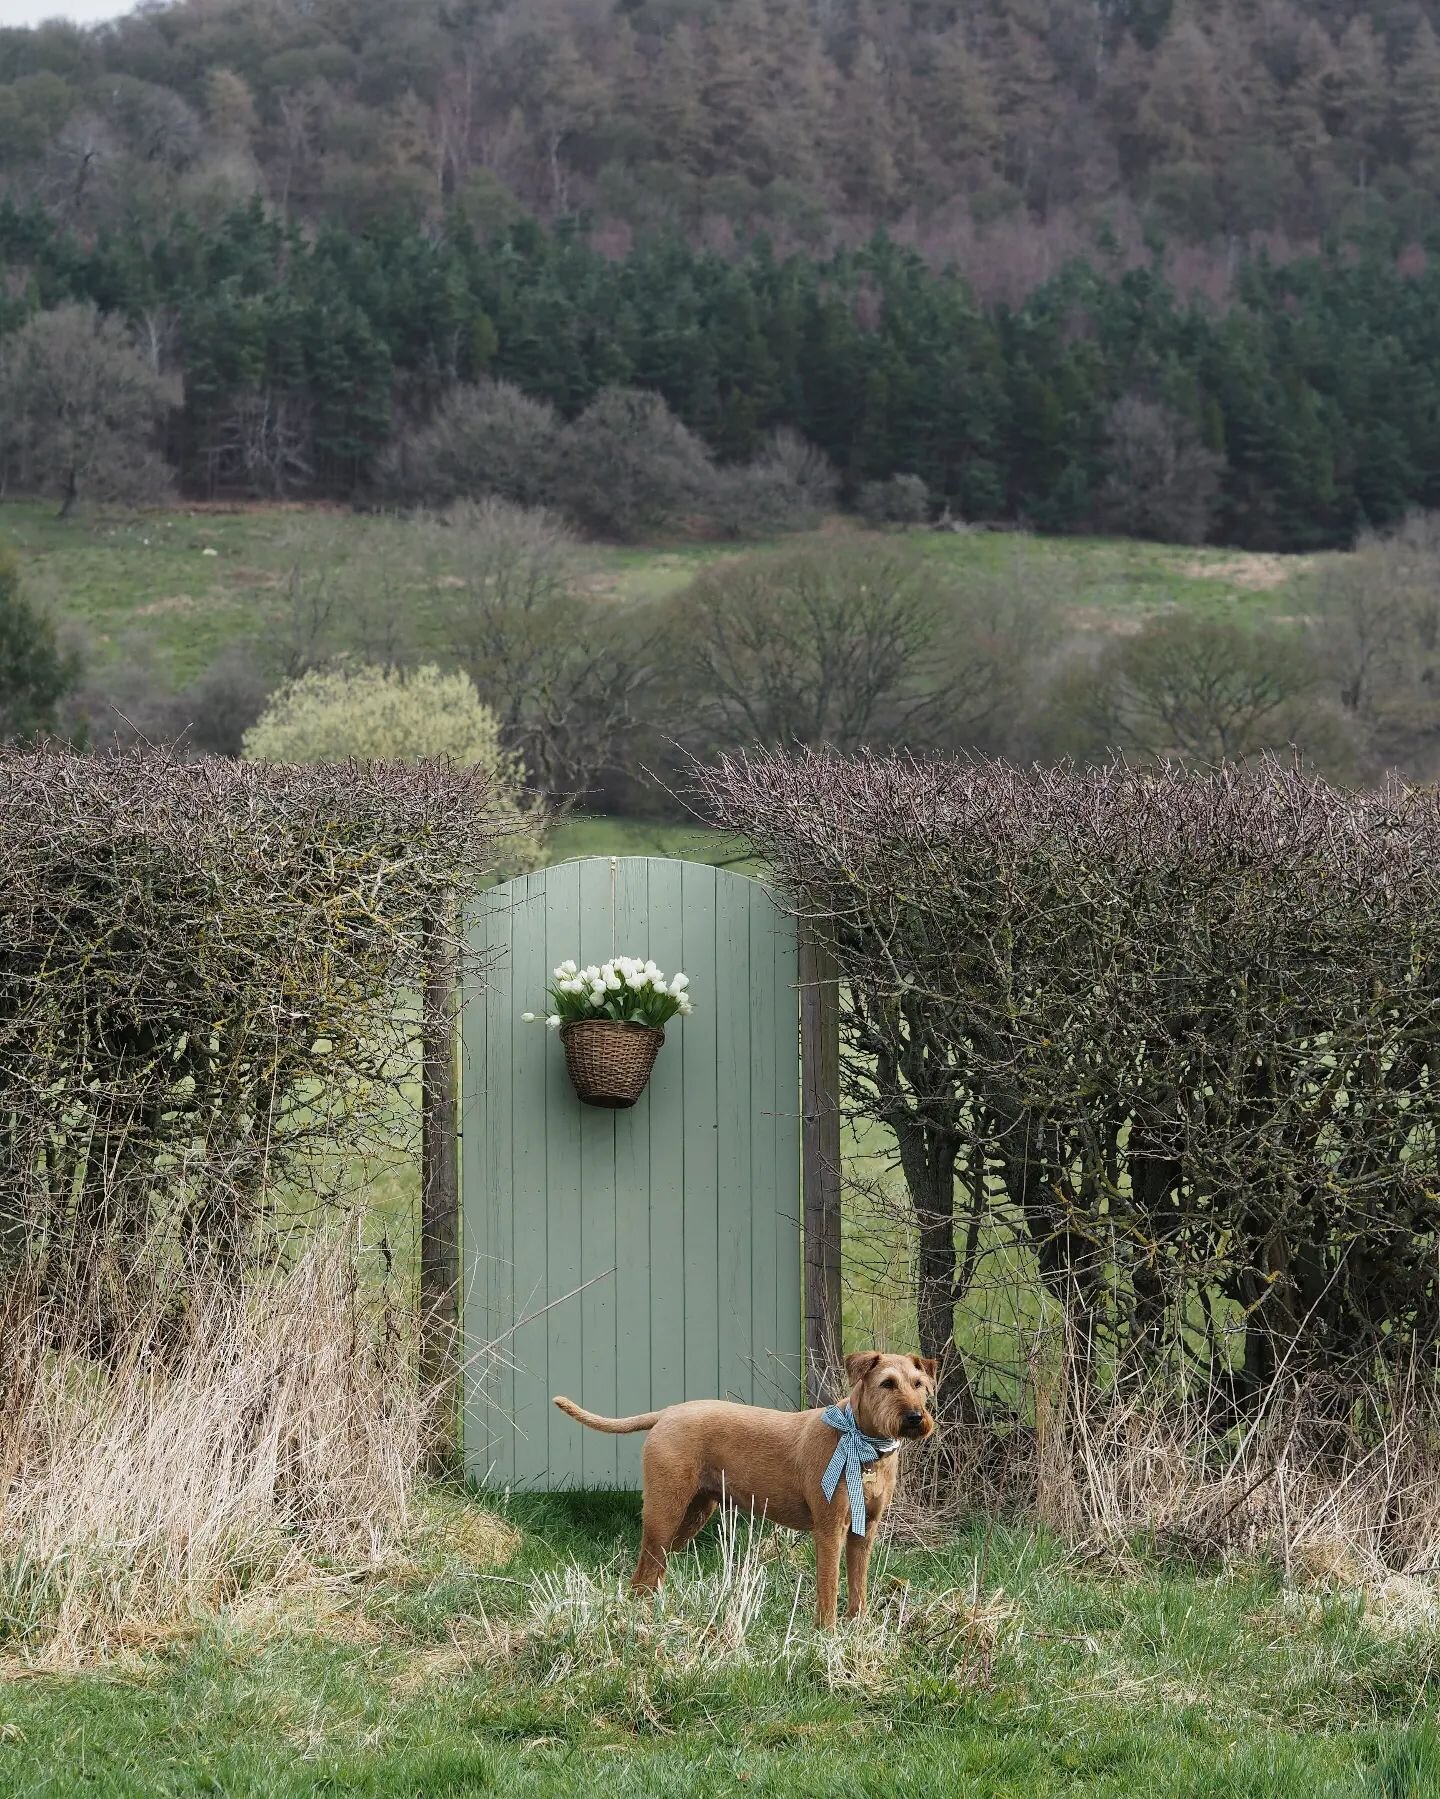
x=511 y=1663
x=170 y=590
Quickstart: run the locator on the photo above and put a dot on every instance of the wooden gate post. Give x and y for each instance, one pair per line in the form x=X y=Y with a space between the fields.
x=439 y=1196
x=820 y=1159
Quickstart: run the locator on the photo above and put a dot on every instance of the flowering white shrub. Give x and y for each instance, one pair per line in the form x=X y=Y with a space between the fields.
x=624 y=989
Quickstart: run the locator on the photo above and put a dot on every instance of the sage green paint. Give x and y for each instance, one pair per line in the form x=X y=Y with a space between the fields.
x=629 y=1259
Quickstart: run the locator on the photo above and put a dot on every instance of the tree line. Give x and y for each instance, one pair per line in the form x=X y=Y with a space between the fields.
x=999 y=131
x=293 y=363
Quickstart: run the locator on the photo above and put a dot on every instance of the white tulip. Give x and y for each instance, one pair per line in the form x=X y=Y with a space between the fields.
x=680 y=983
x=527 y=1018
x=552 y=1023
x=685 y=1008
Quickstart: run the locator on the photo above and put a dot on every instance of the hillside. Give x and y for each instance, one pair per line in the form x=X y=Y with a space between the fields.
x=1026 y=128
x=1140 y=271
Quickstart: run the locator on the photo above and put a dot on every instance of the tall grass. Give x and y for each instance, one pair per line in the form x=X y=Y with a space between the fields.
x=276 y=1431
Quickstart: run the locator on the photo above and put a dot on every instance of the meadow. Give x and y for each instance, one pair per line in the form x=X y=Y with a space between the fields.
x=504 y=1657
x=170 y=590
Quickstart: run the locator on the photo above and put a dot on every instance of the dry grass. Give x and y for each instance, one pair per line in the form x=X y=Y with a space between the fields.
x=1352 y=1498
x=749 y=1609
x=282 y=1432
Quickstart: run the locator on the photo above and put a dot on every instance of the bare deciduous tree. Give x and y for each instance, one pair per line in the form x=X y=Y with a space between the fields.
x=571 y=676
x=1376 y=632
x=1200 y=691
x=484 y=439
x=821 y=644
x=1160 y=481
x=80 y=408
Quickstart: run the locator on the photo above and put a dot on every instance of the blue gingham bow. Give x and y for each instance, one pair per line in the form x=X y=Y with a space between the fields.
x=853 y=1452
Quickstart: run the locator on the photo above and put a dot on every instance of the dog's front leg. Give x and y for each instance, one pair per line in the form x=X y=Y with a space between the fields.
x=857 y=1566
x=827 y=1570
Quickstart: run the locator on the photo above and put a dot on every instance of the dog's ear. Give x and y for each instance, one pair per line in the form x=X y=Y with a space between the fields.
x=857 y=1366
x=926 y=1364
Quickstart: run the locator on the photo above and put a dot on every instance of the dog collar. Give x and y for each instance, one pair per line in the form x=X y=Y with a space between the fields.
x=854 y=1451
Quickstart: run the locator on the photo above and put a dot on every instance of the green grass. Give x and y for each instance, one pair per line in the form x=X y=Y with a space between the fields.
x=142 y=587
x=1018 y=1672
x=580 y=835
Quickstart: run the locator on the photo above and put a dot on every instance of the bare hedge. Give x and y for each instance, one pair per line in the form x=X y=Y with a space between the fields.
x=198 y=973
x=1169 y=1043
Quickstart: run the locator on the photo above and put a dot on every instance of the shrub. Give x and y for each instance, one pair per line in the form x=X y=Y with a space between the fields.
x=35 y=673
x=790 y=486
x=822 y=643
x=1376 y=634
x=486 y=439
x=902 y=500
x=198 y=968
x=627 y=467
x=1198 y=690
x=366 y=714
x=1167 y=1038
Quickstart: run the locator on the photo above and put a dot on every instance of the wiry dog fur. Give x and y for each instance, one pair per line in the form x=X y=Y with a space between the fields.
x=706 y=1449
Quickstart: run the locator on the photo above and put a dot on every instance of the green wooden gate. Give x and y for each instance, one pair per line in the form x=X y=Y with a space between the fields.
x=628 y=1259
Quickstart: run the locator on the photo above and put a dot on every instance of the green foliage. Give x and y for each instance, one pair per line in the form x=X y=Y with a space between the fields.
x=371 y=715
x=1106 y=395
x=374 y=715
x=625 y=990
x=35 y=673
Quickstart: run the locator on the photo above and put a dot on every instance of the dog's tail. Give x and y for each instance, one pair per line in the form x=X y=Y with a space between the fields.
x=615 y=1426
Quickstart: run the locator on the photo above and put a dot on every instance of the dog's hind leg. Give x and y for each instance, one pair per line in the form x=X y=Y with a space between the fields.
x=663 y=1517
x=697 y=1516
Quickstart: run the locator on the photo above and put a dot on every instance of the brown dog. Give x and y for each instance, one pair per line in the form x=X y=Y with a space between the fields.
x=775 y=1463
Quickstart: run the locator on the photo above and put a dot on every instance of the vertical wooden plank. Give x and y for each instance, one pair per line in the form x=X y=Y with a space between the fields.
x=768 y=1001
x=496 y=1158
x=439 y=1196
x=476 y=1242
x=632 y=1201
x=787 y=1203
x=562 y=1195
x=599 y=939
x=667 y=1154
x=735 y=1005
x=700 y=1128
x=820 y=1078
x=528 y=1346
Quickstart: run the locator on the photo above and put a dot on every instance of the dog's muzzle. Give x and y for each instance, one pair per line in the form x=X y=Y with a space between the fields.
x=916 y=1424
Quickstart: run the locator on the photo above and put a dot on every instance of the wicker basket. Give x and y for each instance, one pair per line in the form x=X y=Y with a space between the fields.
x=610 y=1062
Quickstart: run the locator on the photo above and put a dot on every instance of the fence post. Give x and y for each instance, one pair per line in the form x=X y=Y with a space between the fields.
x=820 y=1158
x=439 y=1195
